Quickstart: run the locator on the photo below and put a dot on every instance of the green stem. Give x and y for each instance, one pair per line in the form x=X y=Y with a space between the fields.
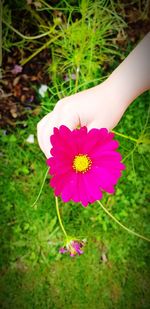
x=123 y=226
x=25 y=36
x=39 y=50
x=40 y=188
x=130 y=153
x=59 y=218
x=125 y=136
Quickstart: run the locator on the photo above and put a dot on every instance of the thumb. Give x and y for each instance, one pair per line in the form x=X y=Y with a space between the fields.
x=43 y=133
x=47 y=124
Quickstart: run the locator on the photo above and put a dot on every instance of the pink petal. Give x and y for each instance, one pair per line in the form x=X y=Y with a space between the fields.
x=111 y=155
x=70 y=188
x=98 y=138
x=106 y=177
x=60 y=182
x=108 y=162
x=93 y=187
x=62 y=139
x=109 y=145
x=83 y=193
x=80 y=139
x=59 y=167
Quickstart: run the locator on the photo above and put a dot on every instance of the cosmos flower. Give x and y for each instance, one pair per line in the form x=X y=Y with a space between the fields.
x=83 y=164
x=74 y=247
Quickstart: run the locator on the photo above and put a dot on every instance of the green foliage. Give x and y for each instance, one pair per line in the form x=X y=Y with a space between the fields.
x=84 y=44
x=80 y=37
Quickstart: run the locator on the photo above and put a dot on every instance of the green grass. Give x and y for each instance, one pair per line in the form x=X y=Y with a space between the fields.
x=34 y=274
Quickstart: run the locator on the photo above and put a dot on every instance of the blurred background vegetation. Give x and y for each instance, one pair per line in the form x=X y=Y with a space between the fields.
x=69 y=46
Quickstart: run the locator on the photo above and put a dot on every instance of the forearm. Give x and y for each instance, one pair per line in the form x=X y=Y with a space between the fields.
x=132 y=76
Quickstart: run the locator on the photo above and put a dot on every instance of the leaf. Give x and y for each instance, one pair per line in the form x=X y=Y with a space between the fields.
x=52 y=224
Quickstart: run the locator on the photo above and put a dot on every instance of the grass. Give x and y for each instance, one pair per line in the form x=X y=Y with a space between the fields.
x=114 y=270
x=34 y=274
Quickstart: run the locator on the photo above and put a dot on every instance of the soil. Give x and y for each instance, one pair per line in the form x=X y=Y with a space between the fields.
x=18 y=90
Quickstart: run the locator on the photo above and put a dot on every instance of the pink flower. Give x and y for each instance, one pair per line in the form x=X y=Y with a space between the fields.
x=16 y=69
x=83 y=164
x=74 y=247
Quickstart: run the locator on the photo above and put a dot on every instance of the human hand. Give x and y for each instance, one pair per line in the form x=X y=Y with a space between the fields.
x=97 y=107
x=101 y=106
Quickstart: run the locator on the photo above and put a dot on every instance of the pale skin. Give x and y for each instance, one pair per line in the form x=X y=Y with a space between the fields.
x=101 y=106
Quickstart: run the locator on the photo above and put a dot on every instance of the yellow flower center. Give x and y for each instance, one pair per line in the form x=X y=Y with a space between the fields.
x=82 y=163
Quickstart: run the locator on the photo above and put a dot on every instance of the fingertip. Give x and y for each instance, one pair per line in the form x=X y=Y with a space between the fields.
x=95 y=125
x=70 y=120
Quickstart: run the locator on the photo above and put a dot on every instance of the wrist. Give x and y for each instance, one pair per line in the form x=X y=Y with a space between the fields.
x=119 y=90
x=132 y=77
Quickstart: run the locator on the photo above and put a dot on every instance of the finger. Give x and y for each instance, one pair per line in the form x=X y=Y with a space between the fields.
x=54 y=120
x=43 y=128
x=98 y=125
x=70 y=119
x=94 y=125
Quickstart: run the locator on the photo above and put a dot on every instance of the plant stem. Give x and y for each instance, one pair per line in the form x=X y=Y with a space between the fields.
x=40 y=188
x=25 y=36
x=123 y=226
x=39 y=50
x=59 y=218
x=125 y=136
x=130 y=153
